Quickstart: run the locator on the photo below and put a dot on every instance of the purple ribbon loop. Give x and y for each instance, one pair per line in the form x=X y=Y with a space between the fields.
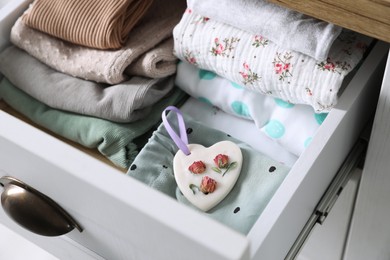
x=182 y=141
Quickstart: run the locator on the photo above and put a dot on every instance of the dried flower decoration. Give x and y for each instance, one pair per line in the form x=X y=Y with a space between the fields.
x=208 y=185
x=197 y=167
x=222 y=162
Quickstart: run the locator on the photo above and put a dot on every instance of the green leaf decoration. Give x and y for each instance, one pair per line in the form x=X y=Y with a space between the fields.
x=216 y=169
x=230 y=166
x=193 y=187
x=233 y=165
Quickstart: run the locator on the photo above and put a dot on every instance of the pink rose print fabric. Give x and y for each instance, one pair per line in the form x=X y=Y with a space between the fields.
x=248 y=76
x=258 y=64
x=282 y=65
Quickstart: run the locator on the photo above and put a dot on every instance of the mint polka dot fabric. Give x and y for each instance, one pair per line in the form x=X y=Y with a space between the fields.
x=275 y=129
x=240 y=109
x=290 y=125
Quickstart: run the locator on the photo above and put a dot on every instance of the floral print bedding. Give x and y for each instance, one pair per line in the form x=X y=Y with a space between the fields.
x=258 y=64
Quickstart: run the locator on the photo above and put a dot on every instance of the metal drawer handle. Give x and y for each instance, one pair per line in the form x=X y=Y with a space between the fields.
x=34 y=210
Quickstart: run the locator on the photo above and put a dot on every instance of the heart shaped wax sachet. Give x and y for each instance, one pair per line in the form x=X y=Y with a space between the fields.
x=204 y=175
x=207 y=175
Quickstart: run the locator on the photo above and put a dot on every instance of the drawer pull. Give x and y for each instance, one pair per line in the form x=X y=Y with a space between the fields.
x=34 y=210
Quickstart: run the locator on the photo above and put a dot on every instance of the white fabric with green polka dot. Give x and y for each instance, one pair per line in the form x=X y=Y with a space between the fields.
x=239 y=128
x=290 y=125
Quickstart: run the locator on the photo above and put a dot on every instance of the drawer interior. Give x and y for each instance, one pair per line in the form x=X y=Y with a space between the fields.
x=279 y=224
x=3 y=3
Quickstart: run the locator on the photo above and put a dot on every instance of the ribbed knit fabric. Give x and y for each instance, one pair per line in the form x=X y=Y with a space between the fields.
x=106 y=66
x=98 y=24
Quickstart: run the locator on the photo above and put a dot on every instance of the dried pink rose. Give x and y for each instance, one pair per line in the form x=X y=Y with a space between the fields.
x=221 y=160
x=208 y=185
x=197 y=167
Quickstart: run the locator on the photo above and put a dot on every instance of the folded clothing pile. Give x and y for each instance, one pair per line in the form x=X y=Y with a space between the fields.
x=146 y=52
x=291 y=125
x=287 y=28
x=283 y=70
x=116 y=141
x=258 y=64
x=106 y=75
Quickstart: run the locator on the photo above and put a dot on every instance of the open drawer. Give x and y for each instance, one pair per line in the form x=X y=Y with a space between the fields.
x=123 y=219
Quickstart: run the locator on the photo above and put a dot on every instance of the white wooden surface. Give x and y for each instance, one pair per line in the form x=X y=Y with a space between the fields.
x=3 y=3
x=295 y=200
x=370 y=229
x=327 y=241
x=16 y=247
x=19 y=244
x=9 y=11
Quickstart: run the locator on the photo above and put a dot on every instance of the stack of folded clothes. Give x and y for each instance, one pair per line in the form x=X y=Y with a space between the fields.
x=253 y=59
x=291 y=125
x=96 y=72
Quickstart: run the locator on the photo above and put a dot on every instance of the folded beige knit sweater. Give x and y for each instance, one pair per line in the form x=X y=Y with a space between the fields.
x=98 y=24
x=157 y=63
x=106 y=66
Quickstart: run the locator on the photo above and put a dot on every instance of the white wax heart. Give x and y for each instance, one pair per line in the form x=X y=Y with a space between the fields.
x=224 y=183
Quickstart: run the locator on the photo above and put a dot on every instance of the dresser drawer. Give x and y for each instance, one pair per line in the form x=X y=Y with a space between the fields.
x=124 y=219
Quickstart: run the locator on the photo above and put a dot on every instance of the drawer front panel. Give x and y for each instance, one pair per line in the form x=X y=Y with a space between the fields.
x=62 y=247
x=121 y=218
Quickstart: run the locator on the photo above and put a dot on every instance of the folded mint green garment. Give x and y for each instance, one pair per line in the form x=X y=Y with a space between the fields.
x=113 y=140
x=126 y=102
x=259 y=179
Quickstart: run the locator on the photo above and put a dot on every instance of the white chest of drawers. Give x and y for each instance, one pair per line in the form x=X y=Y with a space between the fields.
x=123 y=219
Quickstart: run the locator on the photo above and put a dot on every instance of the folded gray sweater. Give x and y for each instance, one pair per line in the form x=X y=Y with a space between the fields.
x=125 y=102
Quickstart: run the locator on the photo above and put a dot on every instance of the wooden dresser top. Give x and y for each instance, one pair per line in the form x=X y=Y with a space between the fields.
x=369 y=17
